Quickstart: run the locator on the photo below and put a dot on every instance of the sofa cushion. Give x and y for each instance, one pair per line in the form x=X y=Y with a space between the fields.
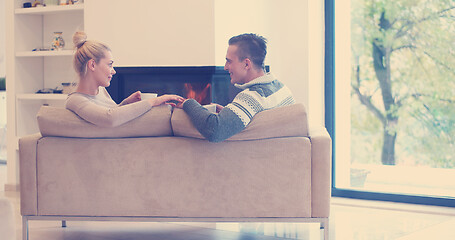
x=286 y=121
x=61 y=122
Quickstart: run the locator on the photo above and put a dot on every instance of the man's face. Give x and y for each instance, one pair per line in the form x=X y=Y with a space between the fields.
x=237 y=69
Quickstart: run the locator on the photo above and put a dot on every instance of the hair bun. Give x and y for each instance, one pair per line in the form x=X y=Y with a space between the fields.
x=79 y=38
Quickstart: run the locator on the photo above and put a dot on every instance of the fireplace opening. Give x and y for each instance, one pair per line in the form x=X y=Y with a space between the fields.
x=199 y=92
x=206 y=84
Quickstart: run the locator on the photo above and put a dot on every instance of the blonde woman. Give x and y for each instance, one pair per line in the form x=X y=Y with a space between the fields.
x=93 y=63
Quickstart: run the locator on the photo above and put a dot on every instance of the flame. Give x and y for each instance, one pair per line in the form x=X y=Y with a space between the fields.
x=200 y=95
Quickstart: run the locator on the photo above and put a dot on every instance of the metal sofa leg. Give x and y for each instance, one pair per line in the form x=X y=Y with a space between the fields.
x=63 y=223
x=24 y=228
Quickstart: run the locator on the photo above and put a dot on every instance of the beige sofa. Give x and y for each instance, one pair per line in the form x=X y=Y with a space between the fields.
x=159 y=168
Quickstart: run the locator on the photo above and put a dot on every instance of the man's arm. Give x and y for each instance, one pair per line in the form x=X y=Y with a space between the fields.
x=214 y=127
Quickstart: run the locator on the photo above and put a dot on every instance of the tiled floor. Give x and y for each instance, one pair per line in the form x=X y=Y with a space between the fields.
x=350 y=219
x=370 y=220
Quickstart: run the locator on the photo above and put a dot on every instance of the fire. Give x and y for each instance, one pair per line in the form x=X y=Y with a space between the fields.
x=198 y=94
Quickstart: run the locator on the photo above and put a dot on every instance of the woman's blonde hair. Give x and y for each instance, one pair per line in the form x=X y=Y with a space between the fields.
x=86 y=50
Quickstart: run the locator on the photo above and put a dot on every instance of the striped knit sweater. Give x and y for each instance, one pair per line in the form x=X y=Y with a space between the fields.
x=260 y=94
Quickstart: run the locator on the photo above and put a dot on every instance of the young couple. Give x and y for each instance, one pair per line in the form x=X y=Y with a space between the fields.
x=245 y=56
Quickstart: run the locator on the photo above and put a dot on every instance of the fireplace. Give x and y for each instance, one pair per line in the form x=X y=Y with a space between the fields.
x=206 y=84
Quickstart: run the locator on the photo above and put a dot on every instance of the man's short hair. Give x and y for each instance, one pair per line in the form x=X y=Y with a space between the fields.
x=250 y=46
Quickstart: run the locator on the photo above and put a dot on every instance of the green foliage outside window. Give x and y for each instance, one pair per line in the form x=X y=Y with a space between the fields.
x=403 y=71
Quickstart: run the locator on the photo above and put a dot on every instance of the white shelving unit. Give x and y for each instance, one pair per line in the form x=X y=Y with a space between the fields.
x=49 y=9
x=45 y=53
x=29 y=71
x=33 y=96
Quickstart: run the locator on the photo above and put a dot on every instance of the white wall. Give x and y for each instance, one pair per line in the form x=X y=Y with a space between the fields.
x=235 y=17
x=154 y=32
x=295 y=30
x=316 y=51
x=195 y=33
x=343 y=93
x=283 y=23
x=2 y=38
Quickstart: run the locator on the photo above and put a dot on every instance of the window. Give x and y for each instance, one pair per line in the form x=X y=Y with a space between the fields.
x=392 y=103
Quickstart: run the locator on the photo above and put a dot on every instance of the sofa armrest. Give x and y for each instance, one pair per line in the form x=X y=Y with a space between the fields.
x=27 y=171
x=321 y=171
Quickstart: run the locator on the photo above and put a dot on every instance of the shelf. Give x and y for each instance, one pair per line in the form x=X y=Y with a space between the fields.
x=28 y=71
x=41 y=96
x=45 y=53
x=50 y=9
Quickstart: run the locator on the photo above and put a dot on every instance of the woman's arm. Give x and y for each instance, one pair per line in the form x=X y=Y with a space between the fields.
x=113 y=116
x=105 y=116
x=135 y=97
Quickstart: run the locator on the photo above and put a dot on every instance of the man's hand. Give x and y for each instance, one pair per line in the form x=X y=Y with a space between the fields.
x=180 y=105
x=218 y=107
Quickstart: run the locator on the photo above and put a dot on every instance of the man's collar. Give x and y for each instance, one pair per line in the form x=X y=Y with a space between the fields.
x=267 y=78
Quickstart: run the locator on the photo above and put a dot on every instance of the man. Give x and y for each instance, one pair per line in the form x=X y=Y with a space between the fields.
x=261 y=91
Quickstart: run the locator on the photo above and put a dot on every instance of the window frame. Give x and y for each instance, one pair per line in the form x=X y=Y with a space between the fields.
x=329 y=104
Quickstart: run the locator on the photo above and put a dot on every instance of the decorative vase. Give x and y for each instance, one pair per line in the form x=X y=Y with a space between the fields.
x=58 y=43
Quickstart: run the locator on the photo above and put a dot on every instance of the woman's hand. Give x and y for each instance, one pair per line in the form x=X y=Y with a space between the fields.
x=135 y=97
x=169 y=99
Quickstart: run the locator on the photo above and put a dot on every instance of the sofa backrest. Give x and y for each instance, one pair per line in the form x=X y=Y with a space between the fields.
x=61 y=122
x=287 y=121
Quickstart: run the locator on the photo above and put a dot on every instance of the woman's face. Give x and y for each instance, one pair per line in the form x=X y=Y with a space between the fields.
x=104 y=70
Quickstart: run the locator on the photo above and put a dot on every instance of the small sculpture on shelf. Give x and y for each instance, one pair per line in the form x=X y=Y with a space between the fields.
x=69 y=2
x=37 y=3
x=58 y=43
